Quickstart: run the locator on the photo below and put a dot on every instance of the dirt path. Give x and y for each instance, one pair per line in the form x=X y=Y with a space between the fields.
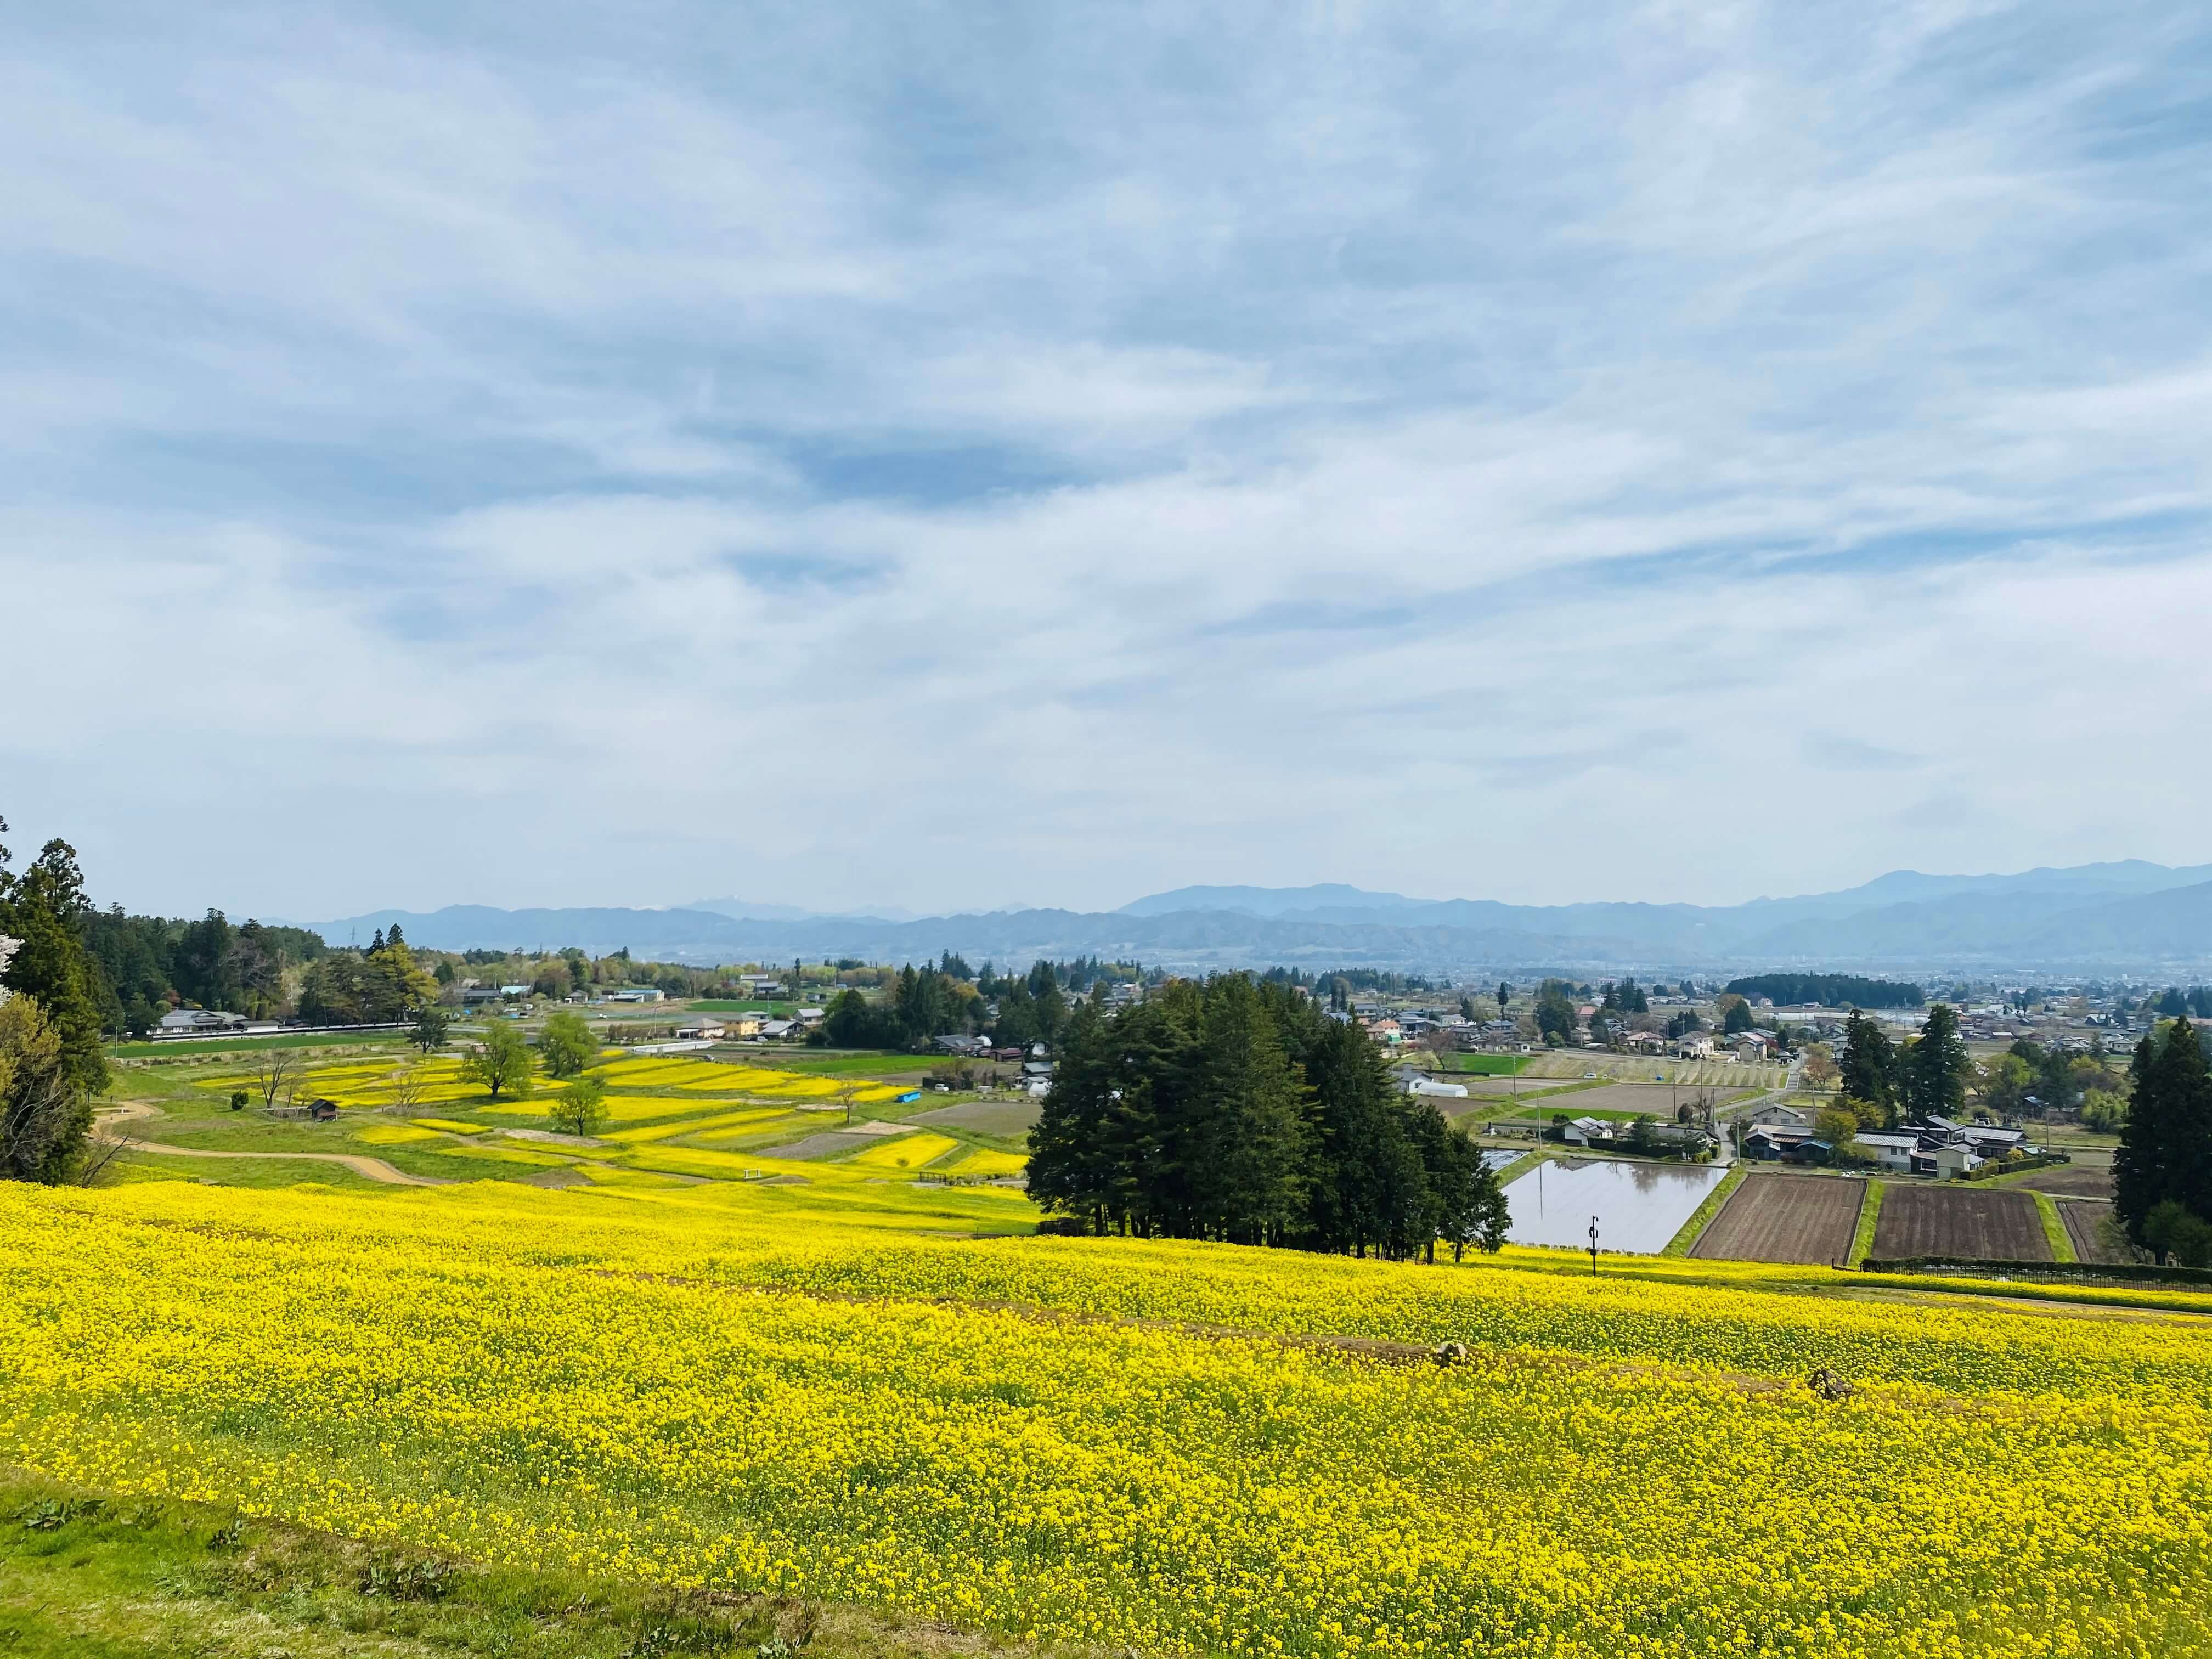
x=373 y=1169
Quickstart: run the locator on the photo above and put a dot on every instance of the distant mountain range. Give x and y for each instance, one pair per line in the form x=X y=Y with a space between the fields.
x=2106 y=917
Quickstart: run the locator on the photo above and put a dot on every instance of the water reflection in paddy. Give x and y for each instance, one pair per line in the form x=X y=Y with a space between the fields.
x=1638 y=1206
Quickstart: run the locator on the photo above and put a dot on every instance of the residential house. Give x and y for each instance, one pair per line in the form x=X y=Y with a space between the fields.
x=1944 y=1161
x=1788 y=1116
x=200 y=1022
x=1695 y=1046
x=1588 y=1132
x=1892 y=1149
x=1773 y=1143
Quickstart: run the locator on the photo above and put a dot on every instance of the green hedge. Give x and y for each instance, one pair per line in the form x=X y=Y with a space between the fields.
x=1980 y=1267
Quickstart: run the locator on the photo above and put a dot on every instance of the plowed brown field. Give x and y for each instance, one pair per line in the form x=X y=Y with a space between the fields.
x=1961 y=1222
x=2085 y=1224
x=1779 y=1218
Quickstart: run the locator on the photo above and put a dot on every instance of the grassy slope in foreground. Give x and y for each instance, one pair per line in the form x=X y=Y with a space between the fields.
x=626 y=1385
x=147 y=1579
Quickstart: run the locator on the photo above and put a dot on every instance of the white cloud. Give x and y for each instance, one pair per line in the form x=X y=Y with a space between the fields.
x=1492 y=458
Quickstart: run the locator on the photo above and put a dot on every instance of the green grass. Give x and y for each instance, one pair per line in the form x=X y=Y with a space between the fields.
x=2054 y=1228
x=258 y=1174
x=184 y=1047
x=841 y=1063
x=1679 y=1245
x=1486 y=1065
x=1863 y=1235
x=722 y=1005
x=139 y=1579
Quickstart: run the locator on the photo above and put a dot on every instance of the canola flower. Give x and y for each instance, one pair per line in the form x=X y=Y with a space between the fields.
x=794 y=1388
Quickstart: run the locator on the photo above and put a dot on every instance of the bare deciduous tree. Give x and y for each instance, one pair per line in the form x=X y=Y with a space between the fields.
x=277 y=1072
x=408 y=1082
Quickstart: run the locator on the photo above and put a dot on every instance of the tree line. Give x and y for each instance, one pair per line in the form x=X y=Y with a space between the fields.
x=926 y=1003
x=1237 y=1110
x=148 y=964
x=1829 y=990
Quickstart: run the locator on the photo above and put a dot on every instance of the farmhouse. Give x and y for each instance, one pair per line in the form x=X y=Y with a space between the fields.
x=1783 y=1117
x=1892 y=1150
x=200 y=1022
x=1588 y=1132
x=1774 y=1143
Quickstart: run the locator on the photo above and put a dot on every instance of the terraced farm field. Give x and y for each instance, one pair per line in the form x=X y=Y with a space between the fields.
x=1081 y=1446
x=402 y=1118
x=2069 y=1179
x=1786 y=1218
x=1975 y=1224
x=2086 y=1223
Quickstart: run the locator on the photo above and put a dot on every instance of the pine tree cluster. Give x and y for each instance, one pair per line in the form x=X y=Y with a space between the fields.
x=1239 y=1111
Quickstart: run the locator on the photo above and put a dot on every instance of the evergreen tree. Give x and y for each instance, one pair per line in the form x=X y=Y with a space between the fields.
x=43 y=909
x=1867 y=1067
x=1555 y=1011
x=46 y=1115
x=1934 y=1066
x=2165 y=1154
x=1238 y=1110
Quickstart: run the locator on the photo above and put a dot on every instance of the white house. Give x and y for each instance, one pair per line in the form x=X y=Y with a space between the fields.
x=1588 y=1132
x=1892 y=1150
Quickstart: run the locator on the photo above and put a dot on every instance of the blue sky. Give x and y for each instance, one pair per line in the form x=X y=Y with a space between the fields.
x=952 y=457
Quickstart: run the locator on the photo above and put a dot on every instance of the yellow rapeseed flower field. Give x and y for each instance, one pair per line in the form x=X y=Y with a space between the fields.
x=818 y=1389
x=906 y=1151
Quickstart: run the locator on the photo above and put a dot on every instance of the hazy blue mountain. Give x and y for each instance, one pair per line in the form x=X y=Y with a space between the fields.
x=749 y=910
x=1332 y=896
x=2111 y=916
x=477 y=926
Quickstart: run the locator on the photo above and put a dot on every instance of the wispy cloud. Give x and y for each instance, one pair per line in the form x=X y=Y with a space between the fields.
x=1675 y=452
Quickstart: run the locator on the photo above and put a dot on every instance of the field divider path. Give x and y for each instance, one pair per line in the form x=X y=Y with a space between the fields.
x=371 y=1168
